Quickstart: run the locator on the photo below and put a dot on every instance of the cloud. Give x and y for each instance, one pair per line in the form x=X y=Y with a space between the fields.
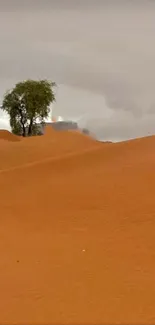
x=4 y=121
x=97 y=51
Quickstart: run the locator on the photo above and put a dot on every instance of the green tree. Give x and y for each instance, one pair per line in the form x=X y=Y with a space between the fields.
x=28 y=103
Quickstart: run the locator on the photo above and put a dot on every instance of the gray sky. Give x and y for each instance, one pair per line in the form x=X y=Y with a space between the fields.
x=101 y=53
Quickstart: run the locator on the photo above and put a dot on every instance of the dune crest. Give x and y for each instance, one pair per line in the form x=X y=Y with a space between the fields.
x=6 y=135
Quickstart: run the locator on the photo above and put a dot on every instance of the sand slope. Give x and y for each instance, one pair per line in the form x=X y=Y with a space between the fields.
x=52 y=144
x=77 y=240
x=6 y=135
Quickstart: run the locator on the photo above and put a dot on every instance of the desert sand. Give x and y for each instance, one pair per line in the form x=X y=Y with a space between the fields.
x=77 y=230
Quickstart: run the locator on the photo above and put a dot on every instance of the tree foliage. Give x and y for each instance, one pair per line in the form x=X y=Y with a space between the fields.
x=28 y=103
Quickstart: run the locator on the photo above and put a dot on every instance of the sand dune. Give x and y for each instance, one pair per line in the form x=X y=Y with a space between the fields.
x=77 y=231
x=6 y=135
x=52 y=144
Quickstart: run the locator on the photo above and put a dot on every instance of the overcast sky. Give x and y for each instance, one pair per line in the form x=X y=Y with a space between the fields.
x=101 y=53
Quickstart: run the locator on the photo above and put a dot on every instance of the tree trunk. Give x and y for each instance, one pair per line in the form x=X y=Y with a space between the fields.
x=22 y=123
x=24 y=129
x=30 y=128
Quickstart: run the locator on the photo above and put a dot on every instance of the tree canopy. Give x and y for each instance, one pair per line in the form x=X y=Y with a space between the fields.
x=28 y=102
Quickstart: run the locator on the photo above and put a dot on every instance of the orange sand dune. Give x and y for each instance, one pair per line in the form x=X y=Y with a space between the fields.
x=77 y=241
x=6 y=135
x=52 y=144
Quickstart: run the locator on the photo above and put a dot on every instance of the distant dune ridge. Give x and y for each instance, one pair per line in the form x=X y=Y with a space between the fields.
x=6 y=135
x=76 y=230
x=52 y=144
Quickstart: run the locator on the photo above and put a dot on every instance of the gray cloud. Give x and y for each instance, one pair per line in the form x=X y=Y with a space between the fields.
x=101 y=53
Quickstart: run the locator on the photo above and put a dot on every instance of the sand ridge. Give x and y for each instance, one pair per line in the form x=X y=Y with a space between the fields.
x=52 y=144
x=6 y=135
x=77 y=230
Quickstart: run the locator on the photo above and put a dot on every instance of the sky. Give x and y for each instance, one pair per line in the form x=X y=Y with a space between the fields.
x=101 y=54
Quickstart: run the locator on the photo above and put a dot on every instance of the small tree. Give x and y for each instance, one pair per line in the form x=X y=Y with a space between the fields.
x=28 y=102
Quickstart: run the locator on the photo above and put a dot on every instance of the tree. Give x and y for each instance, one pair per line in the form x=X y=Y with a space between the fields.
x=28 y=103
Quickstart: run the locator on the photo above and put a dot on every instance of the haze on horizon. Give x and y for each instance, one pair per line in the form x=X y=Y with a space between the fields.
x=101 y=53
